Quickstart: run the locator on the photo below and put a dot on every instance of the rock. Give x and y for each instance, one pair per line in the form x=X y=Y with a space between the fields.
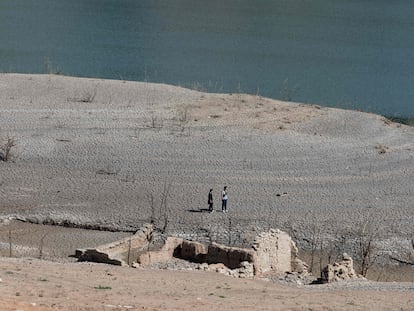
x=203 y=266
x=346 y=257
x=216 y=267
x=246 y=270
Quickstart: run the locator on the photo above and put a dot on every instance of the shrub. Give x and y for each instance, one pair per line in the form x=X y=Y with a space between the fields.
x=5 y=149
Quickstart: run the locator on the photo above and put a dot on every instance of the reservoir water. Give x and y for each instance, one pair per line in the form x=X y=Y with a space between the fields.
x=355 y=54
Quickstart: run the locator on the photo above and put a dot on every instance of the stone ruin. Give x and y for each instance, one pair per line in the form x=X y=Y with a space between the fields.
x=120 y=252
x=272 y=251
x=339 y=271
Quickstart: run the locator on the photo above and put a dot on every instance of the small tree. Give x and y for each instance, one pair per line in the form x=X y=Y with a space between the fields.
x=160 y=214
x=365 y=246
x=164 y=207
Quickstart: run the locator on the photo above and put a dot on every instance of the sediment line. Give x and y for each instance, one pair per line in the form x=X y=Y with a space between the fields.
x=70 y=224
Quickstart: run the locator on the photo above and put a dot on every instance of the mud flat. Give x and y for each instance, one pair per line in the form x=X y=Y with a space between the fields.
x=103 y=154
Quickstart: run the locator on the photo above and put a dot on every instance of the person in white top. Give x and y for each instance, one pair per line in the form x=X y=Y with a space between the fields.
x=224 y=200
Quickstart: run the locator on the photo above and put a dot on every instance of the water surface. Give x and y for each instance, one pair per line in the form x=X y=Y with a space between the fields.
x=353 y=54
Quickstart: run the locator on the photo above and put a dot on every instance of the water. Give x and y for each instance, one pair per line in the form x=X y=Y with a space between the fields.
x=355 y=54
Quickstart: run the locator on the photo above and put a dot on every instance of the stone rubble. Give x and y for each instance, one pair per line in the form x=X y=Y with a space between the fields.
x=339 y=271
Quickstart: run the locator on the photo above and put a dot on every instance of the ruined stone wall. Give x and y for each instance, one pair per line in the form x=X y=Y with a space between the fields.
x=119 y=252
x=175 y=247
x=274 y=251
x=231 y=257
x=167 y=252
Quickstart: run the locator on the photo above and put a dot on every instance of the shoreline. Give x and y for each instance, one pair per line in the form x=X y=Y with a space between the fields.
x=403 y=119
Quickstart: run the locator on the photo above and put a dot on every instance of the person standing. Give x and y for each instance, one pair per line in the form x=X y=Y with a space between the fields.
x=210 y=201
x=224 y=200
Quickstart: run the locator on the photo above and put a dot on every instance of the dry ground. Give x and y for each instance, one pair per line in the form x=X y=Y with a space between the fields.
x=30 y=285
x=99 y=153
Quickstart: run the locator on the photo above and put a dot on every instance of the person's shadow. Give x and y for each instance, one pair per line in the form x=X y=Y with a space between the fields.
x=200 y=210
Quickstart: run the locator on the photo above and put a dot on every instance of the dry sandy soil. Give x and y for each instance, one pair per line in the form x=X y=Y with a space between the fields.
x=30 y=285
x=114 y=154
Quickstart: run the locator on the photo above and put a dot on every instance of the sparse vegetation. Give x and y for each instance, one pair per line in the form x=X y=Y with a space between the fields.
x=87 y=97
x=182 y=118
x=160 y=208
x=156 y=122
x=6 y=148
x=366 y=250
x=101 y=287
x=405 y=121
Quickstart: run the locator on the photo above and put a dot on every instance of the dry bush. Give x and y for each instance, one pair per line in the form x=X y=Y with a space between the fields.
x=86 y=97
x=156 y=123
x=160 y=208
x=6 y=148
x=323 y=247
x=182 y=118
x=366 y=249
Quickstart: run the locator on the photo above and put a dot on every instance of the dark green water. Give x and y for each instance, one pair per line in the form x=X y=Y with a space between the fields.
x=344 y=53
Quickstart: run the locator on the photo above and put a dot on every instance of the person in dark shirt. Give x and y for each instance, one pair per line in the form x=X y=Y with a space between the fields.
x=210 y=201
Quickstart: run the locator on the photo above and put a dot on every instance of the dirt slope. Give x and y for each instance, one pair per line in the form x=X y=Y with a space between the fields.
x=38 y=285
